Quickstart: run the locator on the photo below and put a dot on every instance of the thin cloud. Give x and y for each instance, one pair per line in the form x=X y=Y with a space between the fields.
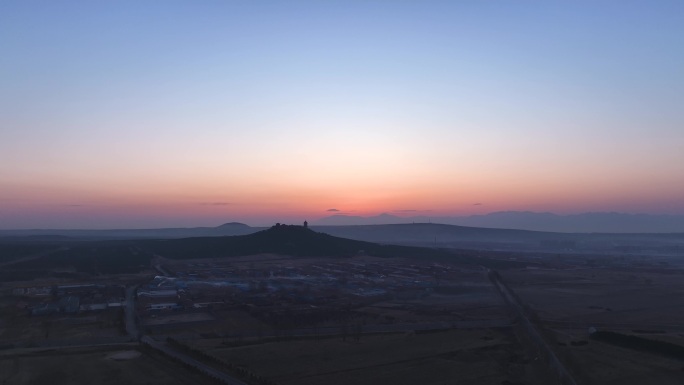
x=477 y=204
x=332 y=210
x=410 y=211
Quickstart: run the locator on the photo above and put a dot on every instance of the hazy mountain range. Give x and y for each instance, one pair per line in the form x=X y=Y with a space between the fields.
x=640 y=233
x=350 y=226
x=233 y=228
x=599 y=222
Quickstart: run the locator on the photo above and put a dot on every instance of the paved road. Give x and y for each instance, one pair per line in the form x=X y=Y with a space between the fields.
x=398 y=327
x=131 y=326
x=207 y=370
x=534 y=335
x=33 y=256
x=610 y=325
x=157 y=263
x=133 y=331
x=47 y=347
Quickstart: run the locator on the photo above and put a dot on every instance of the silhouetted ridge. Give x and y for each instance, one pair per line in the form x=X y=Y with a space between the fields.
x=299 y=241
x=232 y=224
x=279 y=239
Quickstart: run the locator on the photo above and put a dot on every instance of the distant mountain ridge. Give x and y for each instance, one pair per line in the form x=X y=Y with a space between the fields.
x=593 y=222
x=512 y=220
x=280 y=239
x=299 y=241
x=226 y=229
x=228 y=239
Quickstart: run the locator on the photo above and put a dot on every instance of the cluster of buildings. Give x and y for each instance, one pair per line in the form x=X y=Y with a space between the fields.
x=71 y=299
x=289 y=286
x=162 y=293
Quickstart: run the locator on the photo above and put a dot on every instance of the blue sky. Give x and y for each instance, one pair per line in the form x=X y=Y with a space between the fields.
x=120 y=113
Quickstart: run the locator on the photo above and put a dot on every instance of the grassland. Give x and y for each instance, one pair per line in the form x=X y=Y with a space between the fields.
x=448 y=357
x=86 y=366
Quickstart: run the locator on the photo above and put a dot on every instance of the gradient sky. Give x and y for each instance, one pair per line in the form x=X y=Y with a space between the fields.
x=190 y=113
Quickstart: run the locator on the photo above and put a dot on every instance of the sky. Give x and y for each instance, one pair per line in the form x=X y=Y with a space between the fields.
x=137 y=114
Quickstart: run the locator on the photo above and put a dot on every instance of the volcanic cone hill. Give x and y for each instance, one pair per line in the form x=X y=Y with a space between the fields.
x=290 y=240
x=280 y=239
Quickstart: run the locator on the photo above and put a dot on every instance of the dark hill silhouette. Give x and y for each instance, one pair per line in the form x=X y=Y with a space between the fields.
x=232 y=228
x=477 y=238
x=126 y=256
x=422 y=232
x=299 y=241
x=279 y=239
x=594 y=222
x=232 y=225
x=449 y=236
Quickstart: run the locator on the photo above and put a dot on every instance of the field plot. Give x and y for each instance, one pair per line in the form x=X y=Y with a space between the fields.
x=460 y=301
x=180 y=319
x=275 y=296
x=20 y=328
x=92 y=366
x=449 y=357
x=630 y=297
x=606 y=364
x=632 y=301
